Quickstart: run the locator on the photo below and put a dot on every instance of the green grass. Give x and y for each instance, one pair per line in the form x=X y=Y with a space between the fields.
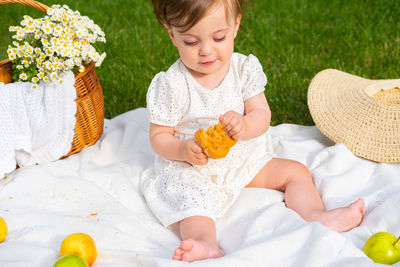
x=293 y=40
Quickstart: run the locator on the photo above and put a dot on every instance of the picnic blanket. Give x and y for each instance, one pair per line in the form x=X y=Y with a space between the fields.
x=97 y=192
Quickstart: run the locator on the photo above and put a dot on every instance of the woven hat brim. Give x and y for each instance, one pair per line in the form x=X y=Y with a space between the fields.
x=346 y=114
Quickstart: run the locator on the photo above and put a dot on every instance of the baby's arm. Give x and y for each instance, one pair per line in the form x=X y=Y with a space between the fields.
x=255 y=122
x=165 y=144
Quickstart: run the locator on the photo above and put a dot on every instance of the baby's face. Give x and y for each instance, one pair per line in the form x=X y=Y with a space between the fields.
x=207 y=47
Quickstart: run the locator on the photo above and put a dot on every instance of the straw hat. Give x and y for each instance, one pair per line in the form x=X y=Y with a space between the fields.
x=362 y=114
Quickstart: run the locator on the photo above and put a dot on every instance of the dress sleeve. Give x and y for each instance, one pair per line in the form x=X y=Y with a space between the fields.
x=252 y=77
x=163 y=101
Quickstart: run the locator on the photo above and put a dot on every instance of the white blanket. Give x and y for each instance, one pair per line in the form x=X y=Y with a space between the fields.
x=36 y=125
x=97 y=192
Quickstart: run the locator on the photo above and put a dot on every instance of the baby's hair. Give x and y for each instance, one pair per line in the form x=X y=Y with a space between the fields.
x=184 y=14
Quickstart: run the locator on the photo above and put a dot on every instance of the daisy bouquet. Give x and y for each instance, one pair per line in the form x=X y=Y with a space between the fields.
x=45 y=49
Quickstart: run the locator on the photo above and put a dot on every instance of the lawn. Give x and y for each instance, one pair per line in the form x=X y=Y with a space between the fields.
x=293 y=40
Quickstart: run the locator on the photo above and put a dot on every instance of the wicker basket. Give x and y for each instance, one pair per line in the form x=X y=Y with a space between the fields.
x=89 y=97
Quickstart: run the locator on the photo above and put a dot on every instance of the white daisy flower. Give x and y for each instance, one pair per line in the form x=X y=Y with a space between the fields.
x=66 y=42
x=53 y=75
x=23 y=76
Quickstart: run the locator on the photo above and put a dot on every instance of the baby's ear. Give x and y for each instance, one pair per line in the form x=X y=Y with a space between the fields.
x=170 y=33
x=237 y=23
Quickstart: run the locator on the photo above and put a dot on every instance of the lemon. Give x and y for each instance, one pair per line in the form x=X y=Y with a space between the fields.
x=3 y=230
x=79 y=244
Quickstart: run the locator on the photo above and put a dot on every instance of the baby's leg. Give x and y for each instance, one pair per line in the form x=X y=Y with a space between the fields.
x=295 y=180
x=199 y=240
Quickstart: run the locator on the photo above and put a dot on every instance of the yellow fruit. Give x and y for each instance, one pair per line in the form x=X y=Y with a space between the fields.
x=3 y=230
x=79 y=244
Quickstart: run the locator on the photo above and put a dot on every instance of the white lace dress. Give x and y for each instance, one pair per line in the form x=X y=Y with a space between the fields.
x=177 y=190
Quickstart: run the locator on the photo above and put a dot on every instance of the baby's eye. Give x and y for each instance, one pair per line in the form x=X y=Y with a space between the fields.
x=219 y=39
x=190 y=43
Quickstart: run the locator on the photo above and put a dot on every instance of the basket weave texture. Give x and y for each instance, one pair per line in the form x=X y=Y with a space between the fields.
x=89 y=96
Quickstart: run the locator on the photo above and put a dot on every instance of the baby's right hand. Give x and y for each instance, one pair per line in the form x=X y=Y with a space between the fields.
x=193 y=153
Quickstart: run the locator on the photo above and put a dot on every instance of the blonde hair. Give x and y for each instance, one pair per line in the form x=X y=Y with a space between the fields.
x=184 y=14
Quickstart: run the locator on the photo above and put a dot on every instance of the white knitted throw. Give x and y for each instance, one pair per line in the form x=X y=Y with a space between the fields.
x=36 y=125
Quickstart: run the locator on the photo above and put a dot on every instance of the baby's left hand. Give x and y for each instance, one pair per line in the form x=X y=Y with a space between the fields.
x=234 y=124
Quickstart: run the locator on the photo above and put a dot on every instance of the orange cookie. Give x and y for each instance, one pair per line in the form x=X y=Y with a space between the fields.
x=214 y=142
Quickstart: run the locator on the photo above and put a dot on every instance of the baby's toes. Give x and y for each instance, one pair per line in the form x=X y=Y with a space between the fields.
x=358 y=205
x=178 y=254
x=187 y=245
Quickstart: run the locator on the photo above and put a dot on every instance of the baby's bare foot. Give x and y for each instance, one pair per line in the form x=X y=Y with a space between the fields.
x=344 y=219
x=192 y=250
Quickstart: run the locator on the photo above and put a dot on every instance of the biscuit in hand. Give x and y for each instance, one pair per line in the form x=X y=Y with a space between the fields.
x=214 y=142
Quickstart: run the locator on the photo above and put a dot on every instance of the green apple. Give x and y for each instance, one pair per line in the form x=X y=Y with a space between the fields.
x=383 y=247
x=71 y=261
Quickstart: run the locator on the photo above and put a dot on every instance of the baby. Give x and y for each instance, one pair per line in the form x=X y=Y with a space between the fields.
x=208 y=84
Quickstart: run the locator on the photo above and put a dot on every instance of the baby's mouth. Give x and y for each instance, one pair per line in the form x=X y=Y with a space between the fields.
x=208 y=63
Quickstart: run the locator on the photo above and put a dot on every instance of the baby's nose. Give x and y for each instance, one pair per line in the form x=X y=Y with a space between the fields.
x=205 y=49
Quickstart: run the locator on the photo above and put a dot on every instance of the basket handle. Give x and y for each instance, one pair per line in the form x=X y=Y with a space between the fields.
x=31 y=3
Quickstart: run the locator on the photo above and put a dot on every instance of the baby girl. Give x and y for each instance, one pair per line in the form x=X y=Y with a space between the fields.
x=210 y=83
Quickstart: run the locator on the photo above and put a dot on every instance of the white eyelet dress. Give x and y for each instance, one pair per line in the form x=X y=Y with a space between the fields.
x=176 y=190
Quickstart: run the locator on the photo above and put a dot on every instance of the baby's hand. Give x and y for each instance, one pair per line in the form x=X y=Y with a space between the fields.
x=233 y=123
x=193 y=153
